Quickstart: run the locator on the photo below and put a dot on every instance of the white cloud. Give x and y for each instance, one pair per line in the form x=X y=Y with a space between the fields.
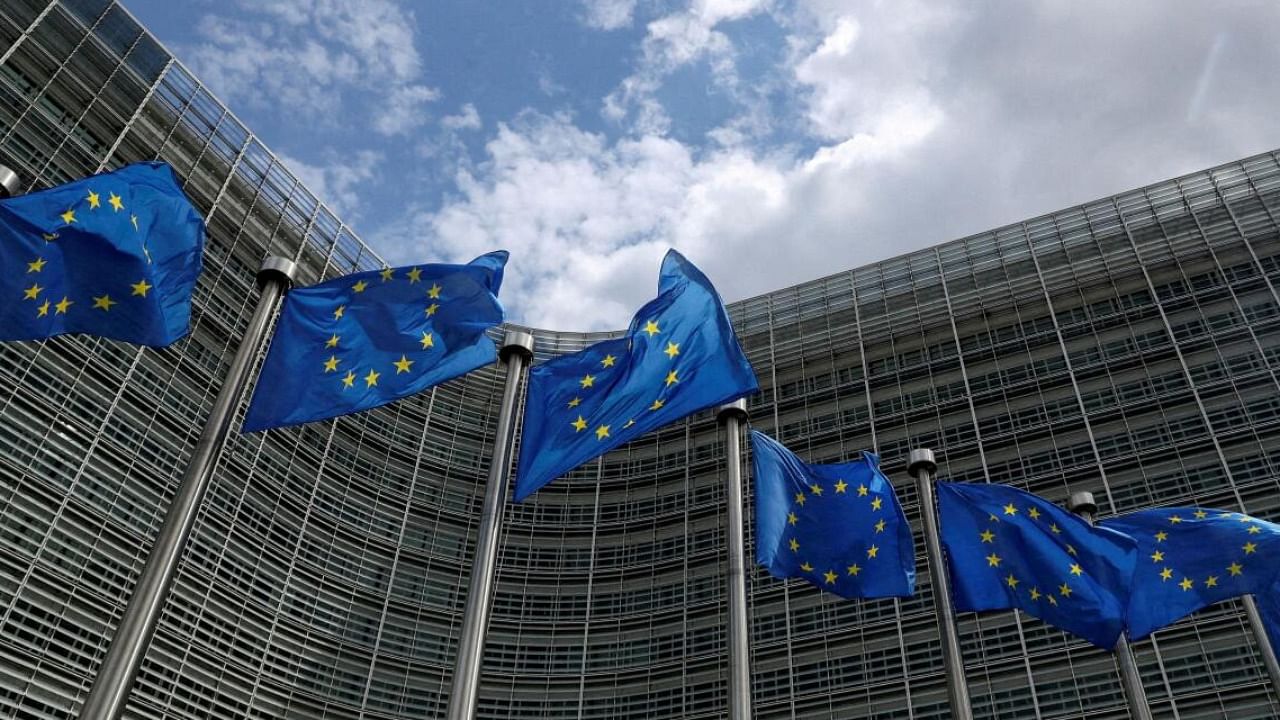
x=337 y=182
x=404 y=110
x=608 y=14
x=466 y=119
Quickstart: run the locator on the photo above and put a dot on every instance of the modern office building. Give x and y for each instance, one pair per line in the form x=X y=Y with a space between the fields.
x=1128 y=346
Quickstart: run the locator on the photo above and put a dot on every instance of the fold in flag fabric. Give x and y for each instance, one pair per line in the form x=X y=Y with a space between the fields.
x=115 y=255
x=679 y=356
x=364 y=340
x=1010 y=549
x=1190 y=557
x=838 y=526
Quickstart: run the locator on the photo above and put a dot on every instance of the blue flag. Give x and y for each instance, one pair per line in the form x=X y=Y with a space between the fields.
x=679 y=356
x=838 y=526
x=1191 y=557
x=1010 y=549
x=115 y=255
x=364 y=340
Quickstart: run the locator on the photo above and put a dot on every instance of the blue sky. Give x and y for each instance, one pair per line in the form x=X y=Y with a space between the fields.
x=771 y=141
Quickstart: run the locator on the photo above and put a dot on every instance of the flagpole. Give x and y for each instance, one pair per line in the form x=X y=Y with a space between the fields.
x=128 y=647
x=9 y=184
x=922 y=466
x=1263 y=641
x=517 y=350
x=732 y=415
x=1082 y=504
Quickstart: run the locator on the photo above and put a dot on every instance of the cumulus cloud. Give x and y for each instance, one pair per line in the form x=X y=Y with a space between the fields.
x=607 y=14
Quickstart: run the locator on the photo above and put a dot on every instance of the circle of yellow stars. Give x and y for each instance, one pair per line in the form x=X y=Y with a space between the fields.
x=855 y=568
x=1050 y=595
x=404 y=365
x=1159 y=558
x=588 y=383
x=44 y=305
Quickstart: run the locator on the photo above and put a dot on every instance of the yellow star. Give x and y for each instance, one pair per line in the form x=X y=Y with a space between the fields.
x=403 y=364
x=602 y=432
x=434 y=292
x=36 y=265
x=841 y=486
x=62 y=306
x=428 y=341
x=1162 y=536
x=1052 y=600
x=134 y=219
x=1186 y=584
x=587 y=381
x=116 y=203
x=141 y=287
x=988 y=536
x=1235 y=568
x=1175 y=519
x=872 y=551
x=806 y=567
x=331 y=365
x=792 y=519
x=993 y=560
x=1166 y=574
x=628 y=424
x=349 y=380
x=1212 y=581
x=415 y=275
x=332 y=341
x=371 y=379
x=1254 y=529
x=1157 y=556
x=1034 y=513
x=1011 y=581
x=579 y=425
x=94 y=202
x=1200 y=514
x=575 y=402
x=360 y=286
x=673 y=349
x=1076 y=569
x=862 y=491
x=387 y=273
x=880 y=526
x=69 y=216
x=1250 y=548
x=794 y=545
x=1071 y=550
x=1010 y=509
x=875 y=504
x=854 y=569
x=1065 y=590
x=830 y=577
x=671 y=378
x=651 y=327
x=432 y=309
x=816 y=489
x=608 y=361
x=337 y=314
x=1054 y=527
x=1035 y=593
x=105 y=302
x=43 y=310
x=31 y=292
x=800 y=499
x=49 y=237
x=657 y=405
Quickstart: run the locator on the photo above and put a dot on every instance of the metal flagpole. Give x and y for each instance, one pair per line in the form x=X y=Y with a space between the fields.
x=1263 y=640
x=1082 y=504
x=922 y=465
x=9 y=184
x=732 y=415
x=115 y=677
x=517 y=350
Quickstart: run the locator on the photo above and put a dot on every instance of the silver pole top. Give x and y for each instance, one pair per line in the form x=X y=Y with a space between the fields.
x=274 y=267
x=516 y=342
x=921 y=459
x=737 y=408
x=1082 y=503
x=9 y=184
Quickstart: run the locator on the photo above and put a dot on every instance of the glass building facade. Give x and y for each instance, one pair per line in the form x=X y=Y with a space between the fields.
x=1128 y=346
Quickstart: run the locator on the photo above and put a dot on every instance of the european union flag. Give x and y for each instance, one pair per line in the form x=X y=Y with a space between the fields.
x=115 y=255
x=1010 y=549
x=838 y=526
x=364 y=340
x=679 y=356
x=1191 y=557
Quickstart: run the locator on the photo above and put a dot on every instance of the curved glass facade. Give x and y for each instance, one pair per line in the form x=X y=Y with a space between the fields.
x=1128 y=346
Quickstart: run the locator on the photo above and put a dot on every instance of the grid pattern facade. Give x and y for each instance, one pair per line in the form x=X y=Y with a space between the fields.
x=1128 y=346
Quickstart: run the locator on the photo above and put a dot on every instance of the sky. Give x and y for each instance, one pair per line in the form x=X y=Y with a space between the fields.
x=770 y=141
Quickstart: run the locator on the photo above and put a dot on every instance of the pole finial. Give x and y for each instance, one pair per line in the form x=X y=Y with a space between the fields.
x=737 y=408
x=1082 y=503
x=9 y=185
x=517 y=342
x=921 y=459
x=275 y=267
